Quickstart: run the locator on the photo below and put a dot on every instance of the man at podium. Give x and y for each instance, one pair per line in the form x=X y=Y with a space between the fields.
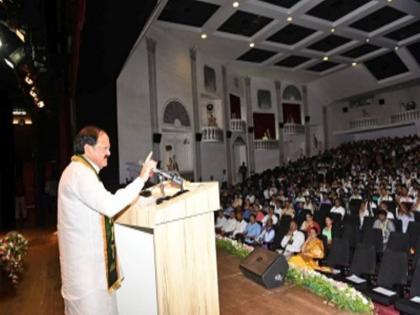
x=89 y=266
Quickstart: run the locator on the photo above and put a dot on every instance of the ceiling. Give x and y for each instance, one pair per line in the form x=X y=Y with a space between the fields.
x=299 y=35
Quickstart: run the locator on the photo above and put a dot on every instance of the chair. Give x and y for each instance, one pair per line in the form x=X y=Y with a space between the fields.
x=406 y=306
x=392 y=276
x=417 y=216
x=354 y=206
x=392 y=206
x=373 y=237
x=339 y=253
x=285 y=220
x=363 y=264
x=280 y=232
x=398 y=224
x=413 y=232
x=301 y=217
x=336 y=218
x=367 y=223
x=398 y=242
x=352 y=234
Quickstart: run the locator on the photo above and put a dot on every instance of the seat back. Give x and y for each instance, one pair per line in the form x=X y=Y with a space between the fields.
x=373 y=237
x=352 y=234
x=354 y=206
x=415 y=281
x=398 y=224
x=413 y=231
x=398 y=242
x=367 y=223
x=364 y=260
x=393 y=269
x=339 y=253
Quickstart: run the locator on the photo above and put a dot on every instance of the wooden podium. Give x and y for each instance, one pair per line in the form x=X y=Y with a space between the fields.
x=167 y=252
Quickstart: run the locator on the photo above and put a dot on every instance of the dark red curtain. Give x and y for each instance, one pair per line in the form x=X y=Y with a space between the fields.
x=291 y=113
x=262 y=122
x=235 y=106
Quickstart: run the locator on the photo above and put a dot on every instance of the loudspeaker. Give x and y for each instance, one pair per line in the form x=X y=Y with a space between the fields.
x=265 y=267
x=307 y=119
x=198 y=136
x=250 y=129
x=381 y=101
x=157 y=137
x=281 y=125
x=345 y=109
x=228 y=134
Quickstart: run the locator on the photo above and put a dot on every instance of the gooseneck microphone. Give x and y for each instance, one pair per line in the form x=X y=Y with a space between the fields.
x=170 y=176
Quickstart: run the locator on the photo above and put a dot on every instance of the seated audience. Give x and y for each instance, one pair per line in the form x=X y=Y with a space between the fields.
x=338 y=208
x=267 y=235
x=270 y=215
x=288 y=209
x=327 y=231
x=240 y=227
x=312 y=249
x=252 y=231
x=230 y=225
x=385 y=225
x=220 y=221
x=309 y=223
x=292 y=241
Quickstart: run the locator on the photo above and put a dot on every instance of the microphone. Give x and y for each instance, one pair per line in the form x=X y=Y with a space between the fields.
x=172 y=177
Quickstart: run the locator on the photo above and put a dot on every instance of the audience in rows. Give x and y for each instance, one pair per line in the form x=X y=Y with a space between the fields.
x=376 y=179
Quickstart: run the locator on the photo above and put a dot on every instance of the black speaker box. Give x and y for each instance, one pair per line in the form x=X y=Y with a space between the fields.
x=281 y=125
x=228 y=134
x=345 y=109
x=198 y=136
x=307 y=119
x=157 y=137
x=381 y=101
x=250 y=129
x=265 y=267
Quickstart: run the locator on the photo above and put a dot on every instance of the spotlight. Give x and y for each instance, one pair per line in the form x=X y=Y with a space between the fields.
x=203 y=36
x=354 y=64
x=396 y=48
x=325 y=58
x=289 y=19
x=367 y=40
x=251 y=45
x=20 y=34
x=333 y=30
x=235 y=4
x=9 y=63
x=40 y=104
x=33 y=92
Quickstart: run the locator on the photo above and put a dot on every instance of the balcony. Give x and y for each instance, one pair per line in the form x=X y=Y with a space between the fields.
x=408 y=115
x=293 y=129
x=363 y=123
x=237 y=125
x=212 y=134
x=266 y=144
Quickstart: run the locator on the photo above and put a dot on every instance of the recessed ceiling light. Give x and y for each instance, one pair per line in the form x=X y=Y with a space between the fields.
x=354 y=64
x=396 y=47
x=203 y=36
x=289 y=19
x=389 y=0
x=235 y=4
x=251 y=45
x=325 y=58
x=333 y=30
x=367 y=40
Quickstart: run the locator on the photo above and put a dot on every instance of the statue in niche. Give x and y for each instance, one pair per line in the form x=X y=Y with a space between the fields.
x=290 y=120
x=172 y=165
x=212 y=122
x=267 y=135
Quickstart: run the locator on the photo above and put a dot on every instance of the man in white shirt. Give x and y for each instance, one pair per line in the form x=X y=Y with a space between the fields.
x=240 y=226
x=292 y=242
x=88 y=262
x=220 y=221
x=230 y=225
x=271 y=216
x=338 y=208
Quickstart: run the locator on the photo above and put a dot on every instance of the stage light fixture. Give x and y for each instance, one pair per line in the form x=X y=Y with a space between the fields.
x=235 y=4
x=251 y=45
x=28 y=80
x=289 y=19
x=20 y=34
x=333 y=30
x=354 y=64
x=325 y=58
x=40 y=104
x=33 y=92
x=203 y=36
x=9 y=63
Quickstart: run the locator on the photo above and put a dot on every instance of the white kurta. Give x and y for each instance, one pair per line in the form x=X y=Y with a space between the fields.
x=82 y=201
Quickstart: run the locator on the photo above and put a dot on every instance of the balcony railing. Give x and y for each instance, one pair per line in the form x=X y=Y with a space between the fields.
x=212 y=134
x=363 y=123
x=293 y=129
x=266 y=144
x=406 y=116
x=237 y=125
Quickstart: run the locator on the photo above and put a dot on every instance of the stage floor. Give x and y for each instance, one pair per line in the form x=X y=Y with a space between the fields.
x=39 y=292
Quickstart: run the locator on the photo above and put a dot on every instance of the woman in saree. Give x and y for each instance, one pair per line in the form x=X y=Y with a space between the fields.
x=312 y=249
